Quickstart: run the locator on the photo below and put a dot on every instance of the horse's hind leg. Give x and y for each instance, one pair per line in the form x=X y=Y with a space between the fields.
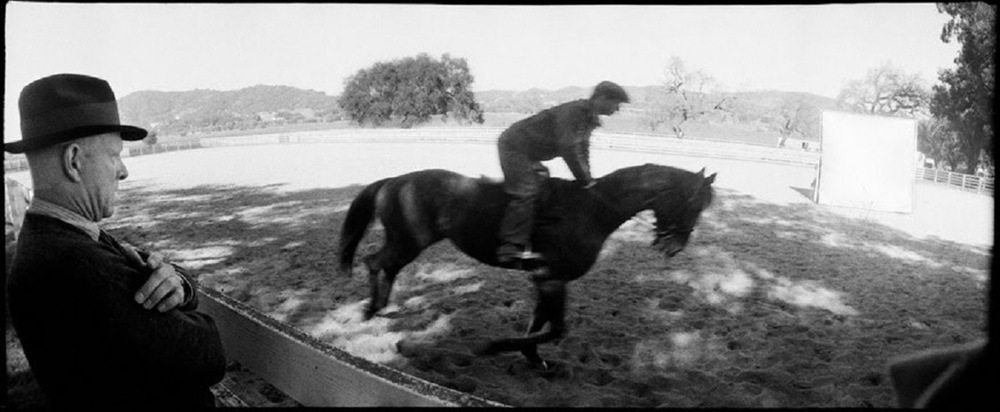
x=382 y=270
x=379 y=285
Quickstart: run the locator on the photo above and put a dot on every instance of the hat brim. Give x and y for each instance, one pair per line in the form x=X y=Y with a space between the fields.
x=127 y=133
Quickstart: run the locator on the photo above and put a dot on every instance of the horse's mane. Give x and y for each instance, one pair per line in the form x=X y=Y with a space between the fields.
x=656 y=177
x=559 y=193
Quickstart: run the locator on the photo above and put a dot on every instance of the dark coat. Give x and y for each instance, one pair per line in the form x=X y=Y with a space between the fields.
x=562 y=131
x=86 y=339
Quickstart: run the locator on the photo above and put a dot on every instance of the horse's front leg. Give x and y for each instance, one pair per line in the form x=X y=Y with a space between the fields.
x=531 y=351
x=550 y=308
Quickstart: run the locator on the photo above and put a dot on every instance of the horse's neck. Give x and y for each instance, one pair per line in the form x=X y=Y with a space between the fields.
x=621 y=201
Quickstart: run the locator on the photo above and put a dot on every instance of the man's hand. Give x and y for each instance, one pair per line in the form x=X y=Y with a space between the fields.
x=164 y=289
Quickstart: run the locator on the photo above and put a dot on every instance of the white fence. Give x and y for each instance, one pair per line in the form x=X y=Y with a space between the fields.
x=961 y=181
x=487 y=135
x=635 y=142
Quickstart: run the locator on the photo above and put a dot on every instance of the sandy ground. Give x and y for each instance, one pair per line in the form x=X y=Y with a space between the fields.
x=776 y=302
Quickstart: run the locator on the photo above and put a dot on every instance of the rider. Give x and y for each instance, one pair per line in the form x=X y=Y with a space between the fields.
x=562 y=131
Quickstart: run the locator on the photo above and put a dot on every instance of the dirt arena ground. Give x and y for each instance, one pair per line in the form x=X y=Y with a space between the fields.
x=776 y=302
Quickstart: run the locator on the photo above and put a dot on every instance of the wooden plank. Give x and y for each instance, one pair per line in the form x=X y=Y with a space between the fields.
x=315 y=374
x=224 y=396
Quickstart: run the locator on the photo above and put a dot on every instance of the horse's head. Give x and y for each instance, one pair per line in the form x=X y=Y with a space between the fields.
x=677 y=208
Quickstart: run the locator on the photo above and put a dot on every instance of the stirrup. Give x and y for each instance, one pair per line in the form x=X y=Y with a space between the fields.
x=529 y=261
x=526 y=260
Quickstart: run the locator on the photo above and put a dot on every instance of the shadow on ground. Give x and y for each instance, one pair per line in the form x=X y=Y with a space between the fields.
x=770 y=305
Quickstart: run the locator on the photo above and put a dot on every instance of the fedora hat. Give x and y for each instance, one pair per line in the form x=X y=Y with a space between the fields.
x=64 y=107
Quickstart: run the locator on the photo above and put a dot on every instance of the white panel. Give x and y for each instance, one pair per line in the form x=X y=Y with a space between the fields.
x=867 y=162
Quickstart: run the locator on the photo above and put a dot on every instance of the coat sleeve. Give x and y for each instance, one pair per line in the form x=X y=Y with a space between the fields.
x=578 y=160
x=177 y=346
x=573 y=128
x=190 y=297
x=190 y=294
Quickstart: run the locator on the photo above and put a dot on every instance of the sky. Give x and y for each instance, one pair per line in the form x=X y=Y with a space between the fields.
x=178 y=47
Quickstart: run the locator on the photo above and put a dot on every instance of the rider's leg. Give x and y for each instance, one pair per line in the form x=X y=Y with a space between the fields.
x=521 y=182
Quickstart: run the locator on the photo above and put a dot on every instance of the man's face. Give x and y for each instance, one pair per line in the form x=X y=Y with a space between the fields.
x=101 y=169
x=606 y=105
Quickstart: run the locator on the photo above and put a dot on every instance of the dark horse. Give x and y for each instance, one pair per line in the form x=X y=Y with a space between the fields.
x=421 y=208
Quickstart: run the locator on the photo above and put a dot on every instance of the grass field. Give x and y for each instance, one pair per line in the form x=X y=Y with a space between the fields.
x=777 y=302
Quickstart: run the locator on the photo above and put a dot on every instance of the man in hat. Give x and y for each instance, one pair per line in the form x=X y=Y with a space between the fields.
x=101 y=323
x=560 y=131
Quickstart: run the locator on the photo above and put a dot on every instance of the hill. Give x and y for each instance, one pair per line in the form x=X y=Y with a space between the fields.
x=750 y=116
x=211 y=110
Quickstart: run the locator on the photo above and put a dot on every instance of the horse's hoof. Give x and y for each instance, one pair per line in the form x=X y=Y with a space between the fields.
x=541 y=365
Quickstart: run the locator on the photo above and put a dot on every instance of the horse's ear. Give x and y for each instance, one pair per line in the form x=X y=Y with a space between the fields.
x=710 y=179
x=701 y=172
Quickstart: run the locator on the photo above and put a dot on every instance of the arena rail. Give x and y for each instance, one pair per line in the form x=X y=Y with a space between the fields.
x=488 y=135
x=637 y=142
x=481 y=135
x=960 y=181
x=313 y=373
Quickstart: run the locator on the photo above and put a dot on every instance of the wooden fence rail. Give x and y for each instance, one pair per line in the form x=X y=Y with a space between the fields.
x=960 y=181
x=636 y=142
x=316 y=374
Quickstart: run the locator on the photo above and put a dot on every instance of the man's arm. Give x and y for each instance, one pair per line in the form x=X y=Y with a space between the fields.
x=573 y=127
x=172 y=347
x=168 y=286
x=578 y=160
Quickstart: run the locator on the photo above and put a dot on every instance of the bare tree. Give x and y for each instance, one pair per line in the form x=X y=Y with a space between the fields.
x=797 y=116
x=886 y=90
x=688 y=95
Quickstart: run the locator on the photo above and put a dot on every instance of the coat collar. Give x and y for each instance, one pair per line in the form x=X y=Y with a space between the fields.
x=45 y=208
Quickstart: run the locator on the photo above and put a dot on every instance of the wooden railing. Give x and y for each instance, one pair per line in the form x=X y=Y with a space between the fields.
x=635 y=142
x=311 y=372
x=960 y=181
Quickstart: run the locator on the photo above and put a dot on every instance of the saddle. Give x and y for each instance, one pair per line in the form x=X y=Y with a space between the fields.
x=547 y=208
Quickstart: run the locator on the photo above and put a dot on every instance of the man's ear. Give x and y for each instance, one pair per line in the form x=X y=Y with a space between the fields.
x=72 y=161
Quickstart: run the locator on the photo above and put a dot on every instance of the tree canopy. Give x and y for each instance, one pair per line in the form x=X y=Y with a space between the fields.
x=886 y=90
x=965 y=96
x=409 y=91
x=937 y=140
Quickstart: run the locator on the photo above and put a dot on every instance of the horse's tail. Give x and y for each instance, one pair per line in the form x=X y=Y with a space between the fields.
x=359 y=216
